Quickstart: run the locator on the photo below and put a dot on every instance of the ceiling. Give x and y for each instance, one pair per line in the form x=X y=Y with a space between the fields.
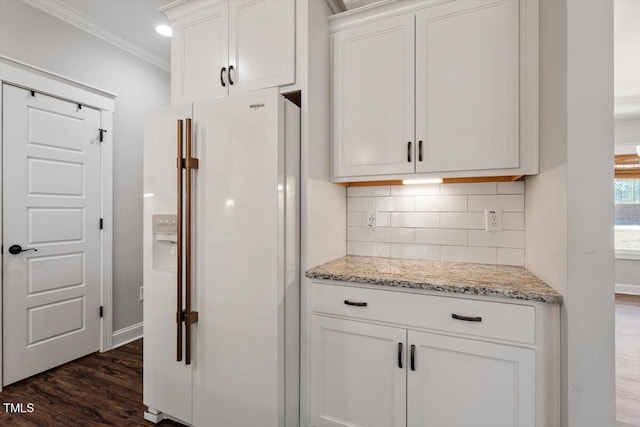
x=133 y=20
x=128 y=24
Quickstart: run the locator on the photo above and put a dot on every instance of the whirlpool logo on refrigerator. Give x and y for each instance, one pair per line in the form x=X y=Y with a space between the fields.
x=256 y=106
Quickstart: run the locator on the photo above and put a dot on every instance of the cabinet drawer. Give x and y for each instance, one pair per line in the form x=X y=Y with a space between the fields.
x=505 y=321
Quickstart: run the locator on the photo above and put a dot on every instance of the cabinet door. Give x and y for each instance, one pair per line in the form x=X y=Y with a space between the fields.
x=358 y=375
x=460 y=382
x=199 y=52
x=467 y=83
x=373 y=96
x=261 y=44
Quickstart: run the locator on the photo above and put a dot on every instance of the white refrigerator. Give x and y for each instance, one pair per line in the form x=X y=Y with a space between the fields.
x=221 y=262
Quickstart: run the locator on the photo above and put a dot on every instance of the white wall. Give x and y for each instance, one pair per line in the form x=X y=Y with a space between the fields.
x=437 y=222
x=34 y=37
x=569 y=205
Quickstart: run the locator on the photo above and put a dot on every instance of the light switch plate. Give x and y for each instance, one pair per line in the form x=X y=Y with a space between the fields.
x=371 y=219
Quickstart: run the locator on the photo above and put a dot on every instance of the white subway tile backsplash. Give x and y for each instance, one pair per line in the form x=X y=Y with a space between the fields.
x=357 y=204
x=469 y=188
x=508 y=203
x=415 y=190
x=429 y=252
x=512 y=187
x=360 y=234
x=389 y=204
x=468 y=254
x=499 y=239
x=369 y=249
x=382 y=190
x=439 y=236
x=468 y=220
x=513 y=221
x=383 y=219
x=509 y=256
x=395 y=235
x=437 y=222
x=415 y=219
x=441 y=203
x=356 y=219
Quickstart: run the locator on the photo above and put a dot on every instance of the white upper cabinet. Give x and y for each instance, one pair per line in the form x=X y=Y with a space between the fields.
x=221 y=47
x=199 y=52
x=261 y=44
x=465 y=99
x=373 y=105
x=467 y=86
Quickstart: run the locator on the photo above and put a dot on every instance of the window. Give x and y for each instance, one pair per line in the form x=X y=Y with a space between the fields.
x=627 y=216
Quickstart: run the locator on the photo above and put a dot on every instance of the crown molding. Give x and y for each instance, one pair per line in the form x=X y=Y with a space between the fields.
x=336 y=6
x=79 y=20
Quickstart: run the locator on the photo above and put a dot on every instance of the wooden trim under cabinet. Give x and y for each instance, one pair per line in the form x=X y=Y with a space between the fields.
x=507 y=178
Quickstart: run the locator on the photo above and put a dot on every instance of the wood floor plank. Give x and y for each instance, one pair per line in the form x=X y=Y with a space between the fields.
x=628 y=361
x=102 y=389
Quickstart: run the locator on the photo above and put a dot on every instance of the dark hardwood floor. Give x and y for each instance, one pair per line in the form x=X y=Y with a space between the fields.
x=96 y=390
x=628 y=360
x=106 y=389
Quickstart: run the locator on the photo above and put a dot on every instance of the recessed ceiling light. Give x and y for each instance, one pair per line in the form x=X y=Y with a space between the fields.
x=164 y=30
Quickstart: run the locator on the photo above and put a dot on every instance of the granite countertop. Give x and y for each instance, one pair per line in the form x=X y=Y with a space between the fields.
x=458 y=277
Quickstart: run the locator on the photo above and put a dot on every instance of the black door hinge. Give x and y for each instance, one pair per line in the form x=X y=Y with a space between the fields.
x=101 y=311
x=102 y=132
x=101 y=223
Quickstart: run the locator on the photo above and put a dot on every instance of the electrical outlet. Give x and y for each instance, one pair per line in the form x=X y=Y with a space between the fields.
x=493 y=219
x=141 y=293
x=371 y=219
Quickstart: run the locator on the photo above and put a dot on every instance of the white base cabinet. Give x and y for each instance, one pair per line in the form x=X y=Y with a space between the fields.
x=456 y=382
x=358 y=383
x=415 y=359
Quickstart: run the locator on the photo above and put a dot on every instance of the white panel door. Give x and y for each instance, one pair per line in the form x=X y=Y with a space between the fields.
x=261 y=44
x=457 y=382
x=467 y=83
x=373 y=98
x=358 y=374
x=238 y=288
x=51 y=198
x=199 y=55
x=167 y=381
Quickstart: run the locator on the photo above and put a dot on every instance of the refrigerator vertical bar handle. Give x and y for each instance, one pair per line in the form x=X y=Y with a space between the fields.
x=191 y=317
x=179 y=317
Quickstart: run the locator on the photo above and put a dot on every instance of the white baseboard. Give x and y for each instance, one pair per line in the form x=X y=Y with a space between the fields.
x=126 y=335
x=623 y=288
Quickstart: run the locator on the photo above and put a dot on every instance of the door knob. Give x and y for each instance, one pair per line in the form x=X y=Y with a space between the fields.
x=16 y=249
